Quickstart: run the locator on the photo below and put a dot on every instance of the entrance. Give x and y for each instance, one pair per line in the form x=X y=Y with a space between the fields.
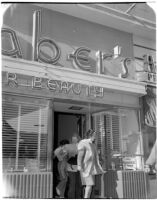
x=69 y=118
x=65 y=126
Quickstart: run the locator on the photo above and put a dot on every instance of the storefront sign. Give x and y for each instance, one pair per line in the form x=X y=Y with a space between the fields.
x=48 y=51
x=79 y=58
x=149 y=64
x=151 y=78
x=129 y=163
x=148 y=70
x=146 y=77
x=55 y=86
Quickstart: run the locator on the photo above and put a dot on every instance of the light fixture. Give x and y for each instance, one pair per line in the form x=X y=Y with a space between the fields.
x=75 y=108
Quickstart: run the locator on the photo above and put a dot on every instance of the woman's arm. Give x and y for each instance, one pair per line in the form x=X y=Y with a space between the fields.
x=81 y=152
x=80 y=157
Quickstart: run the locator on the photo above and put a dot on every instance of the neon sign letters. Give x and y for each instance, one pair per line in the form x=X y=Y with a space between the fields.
x=56 y=86
x=79 y=58
x=16 y=50
x=80 y=54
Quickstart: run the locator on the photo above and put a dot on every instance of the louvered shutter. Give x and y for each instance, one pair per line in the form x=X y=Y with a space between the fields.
x=115 y=133
x=98 y=125
x=109 y=136
x=24 y=136
x=9 y=135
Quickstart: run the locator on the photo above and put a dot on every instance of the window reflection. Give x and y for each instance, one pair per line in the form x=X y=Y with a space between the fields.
x=119 y=142
x=131 y=140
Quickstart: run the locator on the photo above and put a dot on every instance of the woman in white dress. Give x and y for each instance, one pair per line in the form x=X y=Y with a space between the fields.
x=88 y=162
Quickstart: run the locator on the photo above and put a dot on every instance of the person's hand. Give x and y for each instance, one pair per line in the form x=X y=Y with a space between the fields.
x=79 y=168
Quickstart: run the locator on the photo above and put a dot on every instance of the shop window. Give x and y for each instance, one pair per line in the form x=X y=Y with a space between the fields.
x=131 y=143
x=24 y=137
x=119 y=141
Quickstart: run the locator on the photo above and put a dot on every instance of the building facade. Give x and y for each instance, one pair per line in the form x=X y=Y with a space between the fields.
x=61 y=74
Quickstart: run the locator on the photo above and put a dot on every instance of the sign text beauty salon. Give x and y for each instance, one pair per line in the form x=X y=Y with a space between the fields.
x=47 y=51
x=57 y=86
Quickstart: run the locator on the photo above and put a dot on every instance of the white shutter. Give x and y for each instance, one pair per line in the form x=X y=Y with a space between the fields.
x=24 y=136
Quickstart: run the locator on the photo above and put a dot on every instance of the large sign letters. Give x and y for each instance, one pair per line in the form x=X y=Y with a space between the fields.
x=47 y=51
x=16 y=50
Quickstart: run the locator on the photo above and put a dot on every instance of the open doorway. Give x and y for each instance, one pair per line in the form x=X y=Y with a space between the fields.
x=65 y=126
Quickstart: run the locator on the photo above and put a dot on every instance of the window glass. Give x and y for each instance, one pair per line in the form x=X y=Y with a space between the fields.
x=131 y=140
x=24 y=137
x=119 y=141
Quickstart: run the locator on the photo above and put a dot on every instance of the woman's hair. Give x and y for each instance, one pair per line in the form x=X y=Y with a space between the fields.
x=89 y=133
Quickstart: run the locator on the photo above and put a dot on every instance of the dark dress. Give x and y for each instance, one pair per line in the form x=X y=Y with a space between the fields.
x=74 y=182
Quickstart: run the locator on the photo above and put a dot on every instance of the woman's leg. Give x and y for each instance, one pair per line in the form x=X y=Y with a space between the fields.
x=60 y=189
x=89 y=182
x=88 y=191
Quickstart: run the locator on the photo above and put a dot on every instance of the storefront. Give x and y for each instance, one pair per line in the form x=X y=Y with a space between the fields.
x=51 y=90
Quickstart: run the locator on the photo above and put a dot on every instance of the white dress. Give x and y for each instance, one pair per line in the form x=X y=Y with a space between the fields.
x=90 y=163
